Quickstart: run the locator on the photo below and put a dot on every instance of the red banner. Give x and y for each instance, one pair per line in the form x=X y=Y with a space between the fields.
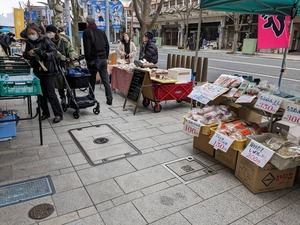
x=273 y=31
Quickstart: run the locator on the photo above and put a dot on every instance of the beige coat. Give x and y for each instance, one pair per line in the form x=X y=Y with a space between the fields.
x=121 y=52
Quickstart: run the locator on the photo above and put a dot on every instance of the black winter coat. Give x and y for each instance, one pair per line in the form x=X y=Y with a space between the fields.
x=149 y=52
x=95 y=44
x=47 y=54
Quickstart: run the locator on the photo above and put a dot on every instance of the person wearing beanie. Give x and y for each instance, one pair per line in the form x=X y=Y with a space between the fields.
x=148 y=50
x=96 y=52
x=64 y=50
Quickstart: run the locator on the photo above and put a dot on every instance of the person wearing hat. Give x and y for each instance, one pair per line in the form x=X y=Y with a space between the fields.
x=96 y=52
x=6 y=41
x=62 y=32
x=148 y=49
x=64 y=50
x=41 y=53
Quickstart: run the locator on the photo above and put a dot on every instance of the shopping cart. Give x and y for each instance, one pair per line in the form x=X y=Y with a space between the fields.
x=78 y=78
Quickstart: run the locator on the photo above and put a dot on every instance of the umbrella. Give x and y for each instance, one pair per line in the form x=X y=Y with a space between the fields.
x=268 y=7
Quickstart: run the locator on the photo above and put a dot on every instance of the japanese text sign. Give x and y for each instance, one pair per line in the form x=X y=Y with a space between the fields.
x=268 y=103
x=221 y=142
x=292 y=114
x=192 y=127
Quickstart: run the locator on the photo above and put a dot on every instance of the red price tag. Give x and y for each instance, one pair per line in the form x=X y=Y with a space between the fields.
x=292 y=114
x=192 y=127
x=221 y=142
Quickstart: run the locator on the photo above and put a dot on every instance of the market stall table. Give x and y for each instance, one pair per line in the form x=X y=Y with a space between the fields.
x=120 y=79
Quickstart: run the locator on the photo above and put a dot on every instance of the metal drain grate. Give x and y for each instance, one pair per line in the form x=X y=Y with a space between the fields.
x=26 y=190
x=102 y=144
x=41 y=211
x=188 y=169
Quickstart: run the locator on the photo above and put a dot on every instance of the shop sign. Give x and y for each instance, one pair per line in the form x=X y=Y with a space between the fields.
x=221 y=142
x=192 y=127
x=257 y=153
x=292 y=114
x=245 y=99
x=268 y=103
x=206 y=92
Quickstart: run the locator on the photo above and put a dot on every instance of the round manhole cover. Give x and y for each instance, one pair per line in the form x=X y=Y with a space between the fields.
x=100 y=140
x=41 y=211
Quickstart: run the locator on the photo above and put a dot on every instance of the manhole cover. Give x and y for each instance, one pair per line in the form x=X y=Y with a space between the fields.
x=41 y=211
x=101 y=140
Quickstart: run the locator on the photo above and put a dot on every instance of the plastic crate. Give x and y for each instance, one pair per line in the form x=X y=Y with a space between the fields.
x=8 y=129
x=172 y=91
x=15 y=70
x=19 y=85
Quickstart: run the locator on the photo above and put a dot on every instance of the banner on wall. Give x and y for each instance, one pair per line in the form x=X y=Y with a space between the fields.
x=18 y=21
x=116 y=13
x=273 y=31
x=97 y=9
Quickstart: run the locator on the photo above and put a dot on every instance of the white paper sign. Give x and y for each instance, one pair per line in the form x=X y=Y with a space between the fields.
x=245 y=99
x=221 y=142
x=268 y=103
x=192 y=127
x=292 y=114
x=206 y=92
x=257 y=153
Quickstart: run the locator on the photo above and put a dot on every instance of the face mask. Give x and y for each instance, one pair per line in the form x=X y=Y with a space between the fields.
x=33 y=37
x=126 y=38
x=50 y=35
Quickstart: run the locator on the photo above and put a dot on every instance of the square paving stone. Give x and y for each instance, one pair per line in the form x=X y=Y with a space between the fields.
x=166 y=202
x=288 y=215
x=143 y=178
x=90 y=220
x=66 y=182
x=221 y=209
x=175 y=219
x=104 y=190
x=123 y=215
x=72 y=200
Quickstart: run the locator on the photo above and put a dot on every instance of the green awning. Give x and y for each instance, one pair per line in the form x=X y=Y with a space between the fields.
x=268 y=7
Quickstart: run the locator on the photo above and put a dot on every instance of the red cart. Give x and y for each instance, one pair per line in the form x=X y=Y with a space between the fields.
x=158 y=92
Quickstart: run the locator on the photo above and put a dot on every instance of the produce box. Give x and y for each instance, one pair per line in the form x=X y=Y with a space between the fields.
x=19 y=85
x=8 y=129
x=238 y=145
x=228 y=159
x=182 y=75
x=265 y=179
x=201 y=143
x=279 y=161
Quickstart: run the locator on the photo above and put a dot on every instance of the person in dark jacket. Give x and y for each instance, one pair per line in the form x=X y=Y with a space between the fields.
x=41 y=53
x=148 y=49
x=6 y=41
x=96 y=52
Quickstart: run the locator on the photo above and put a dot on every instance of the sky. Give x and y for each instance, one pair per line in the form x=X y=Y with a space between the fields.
x=8 y=5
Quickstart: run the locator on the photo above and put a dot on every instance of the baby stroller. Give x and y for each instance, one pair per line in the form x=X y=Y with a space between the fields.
x=78 y=78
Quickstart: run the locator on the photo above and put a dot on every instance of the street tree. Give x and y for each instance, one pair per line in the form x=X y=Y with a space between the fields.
x=237 y=23
x=142 y=10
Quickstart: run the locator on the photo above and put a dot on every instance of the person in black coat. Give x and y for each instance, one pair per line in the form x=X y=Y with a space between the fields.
x=96 y=52
x=41 y=53
x=148 y=49
x=6 y=41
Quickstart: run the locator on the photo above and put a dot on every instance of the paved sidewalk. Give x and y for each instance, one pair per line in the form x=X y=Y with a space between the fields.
x=135 y=190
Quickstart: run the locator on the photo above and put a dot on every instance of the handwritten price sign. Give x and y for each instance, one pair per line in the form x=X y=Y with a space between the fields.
x=221 y=142
x=192 y=127
x=292 y=114
x=206 y=93
x=268 y=103
x=257 y=153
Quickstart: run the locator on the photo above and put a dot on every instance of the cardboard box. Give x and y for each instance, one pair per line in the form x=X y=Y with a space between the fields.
x=228 y=159
x=201 y=143
x=265 y=179
x=182 y=75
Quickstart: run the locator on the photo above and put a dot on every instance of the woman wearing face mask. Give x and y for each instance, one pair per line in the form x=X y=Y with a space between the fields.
x=41 y=53
x=64 y=50
x=127 y=49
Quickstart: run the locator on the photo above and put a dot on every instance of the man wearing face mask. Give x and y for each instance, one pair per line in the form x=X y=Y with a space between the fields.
x=41 y=53
x=148 y=49
x=64 y=50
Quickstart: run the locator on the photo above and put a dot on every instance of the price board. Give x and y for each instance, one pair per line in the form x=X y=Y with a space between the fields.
x=221 y=142
x=192 y=127
x=292 y=114
x=257 y=153
x=268 y=103
x=245 y=99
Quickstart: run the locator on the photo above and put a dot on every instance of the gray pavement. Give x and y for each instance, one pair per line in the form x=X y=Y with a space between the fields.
x=135 y=190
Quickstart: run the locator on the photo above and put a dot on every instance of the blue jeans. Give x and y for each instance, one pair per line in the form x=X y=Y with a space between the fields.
x=100 y=65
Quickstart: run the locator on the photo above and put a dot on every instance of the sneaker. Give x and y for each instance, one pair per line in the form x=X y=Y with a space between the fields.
x=44 y=117
x=57 y=119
